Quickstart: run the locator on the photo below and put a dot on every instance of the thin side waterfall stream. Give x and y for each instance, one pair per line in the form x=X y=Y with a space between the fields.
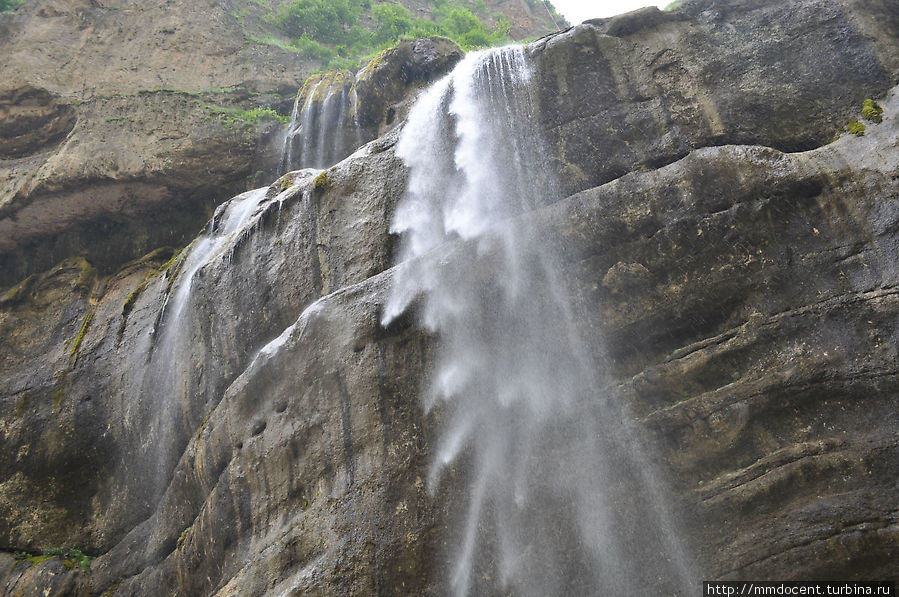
x=318 y=134
x=168 y=378
x=550 y=492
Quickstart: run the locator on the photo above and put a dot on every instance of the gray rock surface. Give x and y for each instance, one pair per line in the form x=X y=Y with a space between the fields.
x=743 y=300
x=123 y=123
x=642 y=89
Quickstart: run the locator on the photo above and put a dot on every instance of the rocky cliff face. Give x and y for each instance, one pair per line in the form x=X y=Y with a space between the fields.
x=261 y=432
x=124 y=123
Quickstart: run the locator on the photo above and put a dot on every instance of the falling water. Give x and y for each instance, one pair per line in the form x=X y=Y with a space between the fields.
x=289 y=134
x=168 y=376
x=300 y=123
x=552 y=493
x=319 y=134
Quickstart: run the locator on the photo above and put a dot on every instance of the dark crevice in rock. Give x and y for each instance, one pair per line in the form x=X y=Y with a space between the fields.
x=32 y=121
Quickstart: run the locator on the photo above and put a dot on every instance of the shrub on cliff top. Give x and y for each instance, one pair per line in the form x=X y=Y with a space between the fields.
x=9 y=4
x=335 y=30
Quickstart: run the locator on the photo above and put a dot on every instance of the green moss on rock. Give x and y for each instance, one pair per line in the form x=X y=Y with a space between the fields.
x=872 y=111
x=81 y=332
x=321 y=182
x=19 y=293
x=182 y=537
x=87 y=278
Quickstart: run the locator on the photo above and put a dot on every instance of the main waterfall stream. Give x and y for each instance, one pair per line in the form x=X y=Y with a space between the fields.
x=550 y=493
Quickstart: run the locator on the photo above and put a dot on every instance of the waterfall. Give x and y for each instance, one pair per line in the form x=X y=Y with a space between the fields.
x=318 y=135
x=167 y=379
x=300 y=124
x=550 y=490
x=289 y=134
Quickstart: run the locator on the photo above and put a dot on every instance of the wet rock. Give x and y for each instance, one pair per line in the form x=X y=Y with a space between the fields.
x=740 y=299
x=641 y=90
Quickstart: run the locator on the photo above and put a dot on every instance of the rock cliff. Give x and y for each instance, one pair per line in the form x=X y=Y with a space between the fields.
x=124 y=123
x=260 y=433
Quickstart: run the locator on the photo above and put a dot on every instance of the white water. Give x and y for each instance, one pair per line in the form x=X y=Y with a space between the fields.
x=300 y=123
x=289 y=135
x=169 y=379
x=551 y=493
x=322 y=128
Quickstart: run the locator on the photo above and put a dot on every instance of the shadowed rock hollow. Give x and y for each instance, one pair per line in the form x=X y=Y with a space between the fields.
x=732 y=266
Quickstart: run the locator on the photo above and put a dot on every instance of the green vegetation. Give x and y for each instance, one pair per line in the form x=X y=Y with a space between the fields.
x=87 y=277
x=872 y=111
x=673 y=5
x=135 y=294
x=233 y=117
x=81 y=332
x=346 y=33
x=19 y=293
x=321 y=182
x=9 y=4
x=182 y=537
x=70 y=557
x=856 y=128
x=111 y=590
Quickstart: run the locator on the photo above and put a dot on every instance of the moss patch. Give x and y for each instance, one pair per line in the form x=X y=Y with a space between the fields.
x=856 y=128
x=35 y=559
x=872 y=111
x=182 y=537
x=70 y=558
x=87 y=278
x=19 y=293
x=172 y=267
x=285 y=182
x=81 y=332
x=111 y=590
x=320 y=184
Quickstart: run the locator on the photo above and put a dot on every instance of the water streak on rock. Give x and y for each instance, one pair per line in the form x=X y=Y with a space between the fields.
x=166 y=381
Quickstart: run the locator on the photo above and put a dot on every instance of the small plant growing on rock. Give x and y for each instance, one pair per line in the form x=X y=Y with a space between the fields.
x=9 y=4
x=76 y=344
x=856 y=128
x=872 y=111
x=69 y=557
x=182 y=537
x=321 y=182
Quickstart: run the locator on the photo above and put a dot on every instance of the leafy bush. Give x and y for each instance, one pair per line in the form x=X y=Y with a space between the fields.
x=310 y=48
x=319 y=19
x=393 y=21
x=9 y=4
x=341 y=33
